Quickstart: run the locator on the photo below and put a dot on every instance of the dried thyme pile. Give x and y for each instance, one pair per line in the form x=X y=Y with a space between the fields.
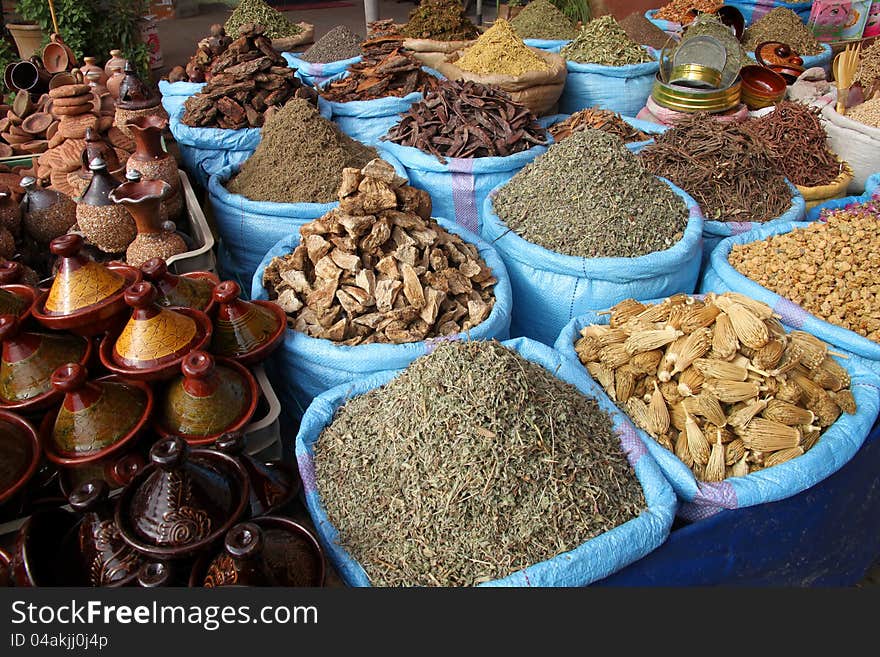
x=472 y=464
x=603 y=41
x=259 y=13
x=443 y=20
x=588 y=196
x=782 y=24
x=541 y=19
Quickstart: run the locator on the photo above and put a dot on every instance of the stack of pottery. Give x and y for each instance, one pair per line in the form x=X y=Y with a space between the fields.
x=27 y=127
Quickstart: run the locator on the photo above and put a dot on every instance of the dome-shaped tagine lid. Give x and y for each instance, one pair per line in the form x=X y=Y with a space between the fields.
x=86 y=297
x=105 y=559
x=191 y=290
x=246 y=331
x=134 y=94
x=28 y=361
x=211 y=397
x=19 y=454
x=95 y=419
x=267 y=551
x=155 y=340
x=184 y=500
x=273 y=484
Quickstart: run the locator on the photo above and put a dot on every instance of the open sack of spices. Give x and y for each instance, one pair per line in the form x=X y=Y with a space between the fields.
x=820 y=276
x=437 y=26
x=460 y=142
x=328 y=57
x=737 y=409
x=284 y=33
x=372 y=284
x=442 y=474
x=782 y=25
x=542 y=25
x=636 y=134
x=584 y=226
x=533 y=77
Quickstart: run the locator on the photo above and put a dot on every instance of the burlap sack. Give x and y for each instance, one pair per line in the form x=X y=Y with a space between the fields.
x=289 y=44
x=433 y=45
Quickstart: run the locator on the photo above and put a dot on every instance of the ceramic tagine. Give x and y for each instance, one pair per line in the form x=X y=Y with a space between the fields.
x=213 y=396
x=191 y=290
x=135 y=99
x=182 y=501
x=86 y=297
x=155 y=340
x=106 y=224
x=143 y=200
x=15 y=273
x=246 y=331
x=153 y=162
x=35 y=559
x=15 y=298
x=267 y=551
x=46 y=214
x=273 y=484
x=19 y=454
x=28 y=361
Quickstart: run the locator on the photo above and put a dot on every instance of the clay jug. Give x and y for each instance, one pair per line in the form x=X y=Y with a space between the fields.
x=47 y=214
x=152 y=161
x=90 y=66
x=116 y=61
x=143 y=200
x=106 y=224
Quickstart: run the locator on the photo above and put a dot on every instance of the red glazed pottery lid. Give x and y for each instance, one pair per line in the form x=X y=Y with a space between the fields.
x=183 y=501
x=16 y=300
x=12 y=272
x=246 y=331
x=28 y=361
x=19 y=454
x=191 y=290
x=96 y=418
x=211 y=397
x=118 y=470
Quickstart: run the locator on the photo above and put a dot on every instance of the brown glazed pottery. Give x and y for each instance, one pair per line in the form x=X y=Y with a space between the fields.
x=273 y=484
x=19 y=454
x=213 y=396
x=46 y=213
x=155 y=340
x=155 y=574
x=104 y=559
x=28 y=360
x=10 y=211
x=133 y=93
x=143 y=200
x=57 y=55
x=191 y=290
x=13 y=272
x=267 y=551
x=117 y=470
x=96 y=419
x=36 y=559
x=96 y=147
x=5 y=569
x=182 y=501
x=246 y=331
x=106 y=224
x=17 y=299
x=86 y=297
x=152 y=161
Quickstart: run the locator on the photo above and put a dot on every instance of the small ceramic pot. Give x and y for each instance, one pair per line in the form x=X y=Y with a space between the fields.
x=153 y=162
x=190 y=290
x=57 y=55
x=114 y=80
x=106 y=224
x=46 y=213
x=182 y=502
x=30 y=76
x=17 y=299
x=19 y=454
x=143 y=200
x=90 y=67
x=116 y=61
x=35 y=559
x=245 y=331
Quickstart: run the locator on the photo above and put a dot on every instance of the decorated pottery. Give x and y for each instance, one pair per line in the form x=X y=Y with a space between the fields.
x=134 y=176
x=19 y=454
x=10 y=211
x=86 y=297
x=143 y=200
x=155 y=574
x=118 y=470
x=246 y=331
x=182 y=501
x=46 y=213
x=36 y=559
x=273 y=484
x=96 y=147
x=190 y=290
x=15 y=298
x=15 y=273
x=28 y=361
x=106 y=224
x=96 y=419
x=135 y=99
x=155 y=340
x=267 y=551
x=153 y=162
x=213 y=396
x=104 y=559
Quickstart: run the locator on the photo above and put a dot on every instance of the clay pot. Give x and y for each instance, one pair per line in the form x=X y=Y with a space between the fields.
x=13 y=272
x=19 y=454
x=36 y=560
x=86 y=297
x=90 y=67
x=17 y=299
x=118 y=470
x=96 y=147
x=245 y=331
x=155 y=340
x=10 y=211
x=135 y=99
x=152 y=161
x=47 y=214
x=191 y=290
x=116 y=61
x=114 y=80
x=28 y=361
x=97 y=82
x=267 y=551
x=30 y=76
x=57 y=55
x=143 y=200
x=273 y=484
x=106 y=224
x=183 y=501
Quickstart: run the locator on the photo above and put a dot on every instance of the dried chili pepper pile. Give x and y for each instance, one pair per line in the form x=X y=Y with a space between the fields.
x=599 y=119
x=468 y=119
x=798 y=143
x=385 y=70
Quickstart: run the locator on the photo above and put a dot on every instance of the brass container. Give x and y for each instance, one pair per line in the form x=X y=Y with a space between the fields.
x=682 y=99
x=695 y=76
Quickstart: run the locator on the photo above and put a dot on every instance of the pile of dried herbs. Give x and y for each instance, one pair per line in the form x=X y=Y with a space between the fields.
x=442 y=20
x=781 y=24
x=338 y=44
x=499 y=51
x=258 y=12
x=644 y=32
x=603 y=41
x=541 y=19
x=589 y=196
x=468 y=119
x=598 y=119
x=684 y=11
x=472 y=464
x=726 y=167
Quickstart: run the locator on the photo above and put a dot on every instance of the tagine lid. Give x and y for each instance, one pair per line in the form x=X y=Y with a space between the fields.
x=182 y=501
x=81 y=283
x=19 y=453
x=96 y=418
x=134 y=94
x=246 y=331
x=28 y=359
x=190 y=290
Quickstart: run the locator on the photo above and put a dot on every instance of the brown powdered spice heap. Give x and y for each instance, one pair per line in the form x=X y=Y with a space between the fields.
x=443 y=20
x=499 y=51
x=470 y=465
x=300 y=158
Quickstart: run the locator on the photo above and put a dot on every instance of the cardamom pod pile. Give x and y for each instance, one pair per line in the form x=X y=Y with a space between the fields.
x=717 y=381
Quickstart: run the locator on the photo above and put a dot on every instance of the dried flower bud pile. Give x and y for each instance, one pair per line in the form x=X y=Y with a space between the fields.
x=379 y=269
x=718 y=382
x=598 y=119
x=831 y=268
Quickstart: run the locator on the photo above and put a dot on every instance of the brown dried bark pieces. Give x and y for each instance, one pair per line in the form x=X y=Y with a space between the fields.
x=381 y=73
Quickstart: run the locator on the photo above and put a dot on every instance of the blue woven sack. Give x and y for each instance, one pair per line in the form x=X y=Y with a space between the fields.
x=752 y=10
x=315 y=74
x=623 y=89
x=550 y=45
x=174 y=94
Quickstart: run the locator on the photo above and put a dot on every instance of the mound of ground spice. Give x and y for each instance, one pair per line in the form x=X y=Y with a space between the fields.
x=499 y=51
x=541 y=19
x=338 y=44
x=781 y=24
x=442 y=20
x=644 y=32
